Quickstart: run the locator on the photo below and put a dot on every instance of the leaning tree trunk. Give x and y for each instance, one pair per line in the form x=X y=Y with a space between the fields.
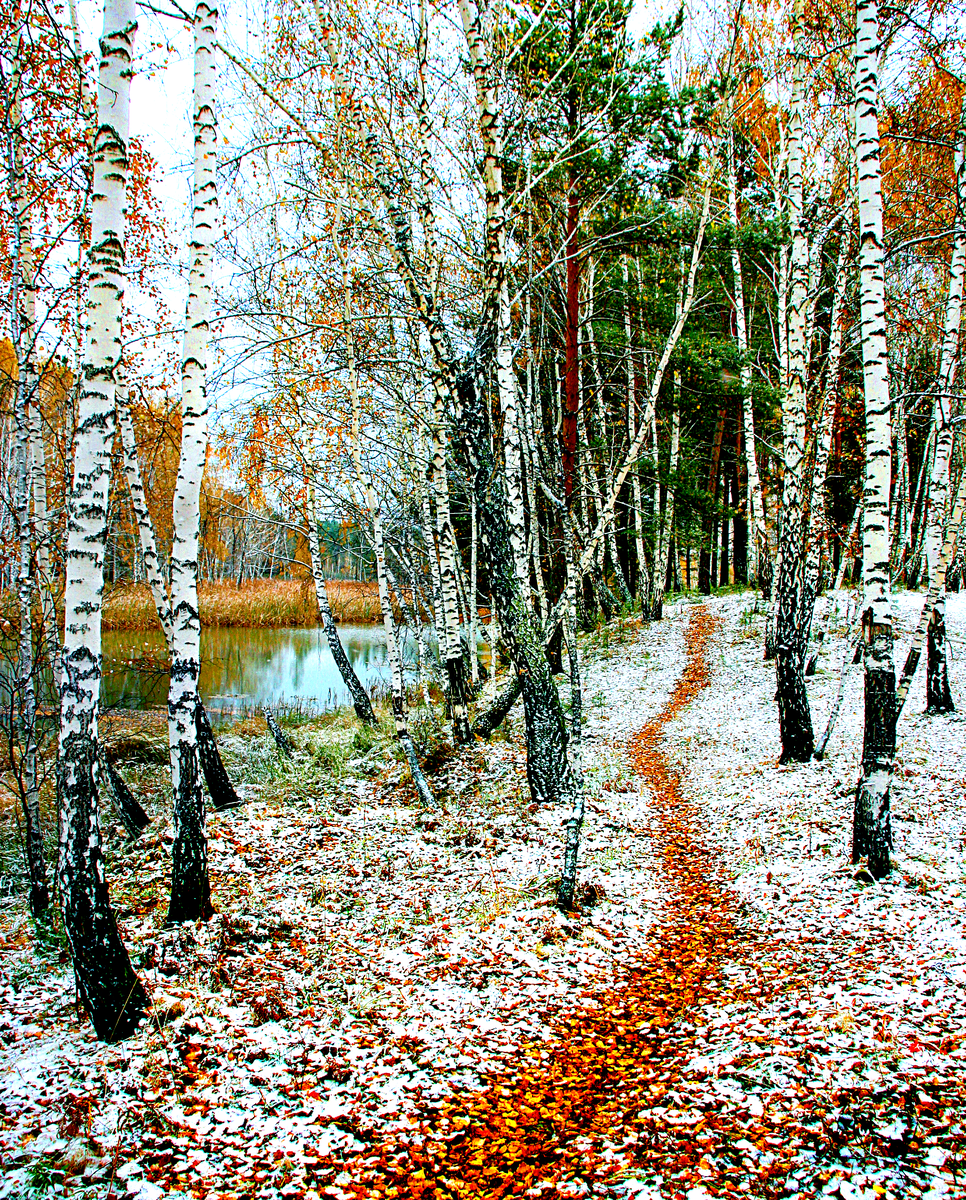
x=600 y=412
x=106 y=984
x=360 y=697
x=939 y=698
x=872 y=828
x=795 y=718
x=549 y=772
x=190 y=889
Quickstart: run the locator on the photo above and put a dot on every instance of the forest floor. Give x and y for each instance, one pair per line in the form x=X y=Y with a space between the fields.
x=388 y=1003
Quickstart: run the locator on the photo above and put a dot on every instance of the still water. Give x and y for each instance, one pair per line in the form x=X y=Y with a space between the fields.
x=242 y=668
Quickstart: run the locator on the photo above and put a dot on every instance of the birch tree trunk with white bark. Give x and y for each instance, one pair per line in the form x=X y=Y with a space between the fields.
x=793 y=709
x=507 y=386
x=220 y=787
x=755 y=504
x=106 y=984
x=872 y=828
x=360 y=697
x=26 y=398
x=190 y=889
x=641 y=575
x=939 y=698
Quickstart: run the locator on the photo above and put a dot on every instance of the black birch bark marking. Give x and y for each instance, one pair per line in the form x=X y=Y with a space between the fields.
x=795 y=719
x=106 y=984
x=872 y=830
x=190 y=887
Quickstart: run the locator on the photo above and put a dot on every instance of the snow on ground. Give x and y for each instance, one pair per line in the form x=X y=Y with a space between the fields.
x=365 y=958
x=880 y=1012
x=368 y=959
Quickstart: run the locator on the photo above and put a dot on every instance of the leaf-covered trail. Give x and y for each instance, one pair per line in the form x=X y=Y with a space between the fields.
x=586 y=1106
x=739 y=1014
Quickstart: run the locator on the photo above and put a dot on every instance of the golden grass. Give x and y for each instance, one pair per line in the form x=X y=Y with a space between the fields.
x=263 y=603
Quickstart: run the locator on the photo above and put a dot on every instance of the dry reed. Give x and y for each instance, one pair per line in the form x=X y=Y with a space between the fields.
x=263 y=603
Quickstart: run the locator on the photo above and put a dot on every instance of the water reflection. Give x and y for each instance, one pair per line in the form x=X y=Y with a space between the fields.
x=246 y=667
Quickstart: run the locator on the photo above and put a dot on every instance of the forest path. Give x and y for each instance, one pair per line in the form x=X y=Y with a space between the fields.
x=593 y=1109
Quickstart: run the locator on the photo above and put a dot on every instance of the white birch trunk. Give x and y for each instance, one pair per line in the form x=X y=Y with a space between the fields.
x=793 y=708
x=106 y=984
x=938 y=695
x=641 y=575
x=26 y=388
x=506 y=378
x=142 y=517
x=451 y=647
x=755 y=504
x=872 y=835
x=190 y=891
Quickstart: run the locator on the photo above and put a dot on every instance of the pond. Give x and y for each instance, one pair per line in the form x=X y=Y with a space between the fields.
x=244 y=668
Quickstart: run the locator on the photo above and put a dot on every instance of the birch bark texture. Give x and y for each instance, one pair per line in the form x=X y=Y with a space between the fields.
x=872 y=831
x=755 y=504
x=938 y=696
x=190 y=889
x=794 y=715
x=360 y=697
x=26 y=389
x=106 y=984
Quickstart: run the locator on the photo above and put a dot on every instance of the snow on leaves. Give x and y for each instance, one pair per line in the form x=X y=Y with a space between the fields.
x=392 y=1007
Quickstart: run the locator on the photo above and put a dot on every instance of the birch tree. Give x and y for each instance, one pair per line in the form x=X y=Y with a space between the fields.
x=938 y=696
x=755 y=504
x=793 y=709
x=26 y=399
x=190 y=889
x=872 y=833
x=106 y=983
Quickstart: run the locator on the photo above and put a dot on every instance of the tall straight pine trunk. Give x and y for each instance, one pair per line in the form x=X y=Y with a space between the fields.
x=872 y=830
x=190 y=890
x=794 y=716
x=106 y=984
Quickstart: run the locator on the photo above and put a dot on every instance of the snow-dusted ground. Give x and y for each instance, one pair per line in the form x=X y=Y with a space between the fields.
x=787 y=830
x=367 y=959
x=880 y=1011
